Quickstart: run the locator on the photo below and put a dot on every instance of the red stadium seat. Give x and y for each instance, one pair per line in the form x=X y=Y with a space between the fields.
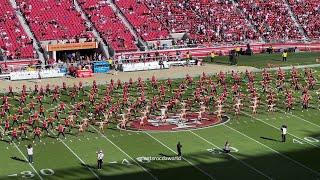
x=53 y=20
x=13 y=39
x=109 y=25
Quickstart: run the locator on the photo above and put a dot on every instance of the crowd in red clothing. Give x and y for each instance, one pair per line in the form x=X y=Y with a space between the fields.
x=204 y=20
x=131 y=100
x=109 y=25
x=271 y=19
x=308 y=15
x=142 y=18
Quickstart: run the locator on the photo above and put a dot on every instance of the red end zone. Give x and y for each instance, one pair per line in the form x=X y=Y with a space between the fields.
x=173 y=122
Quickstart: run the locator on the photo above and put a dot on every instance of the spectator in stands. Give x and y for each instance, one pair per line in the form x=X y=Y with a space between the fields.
x=270 y=49
x=72 y=70
x=161 y=63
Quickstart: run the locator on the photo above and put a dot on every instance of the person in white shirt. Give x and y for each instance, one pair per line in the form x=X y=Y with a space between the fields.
x=100 y=159
x=283 y=132
x=30 y=153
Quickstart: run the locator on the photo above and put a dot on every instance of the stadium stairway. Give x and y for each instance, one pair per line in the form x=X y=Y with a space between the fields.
x=294 y=19
x=124 y=20
x=26 y=28
x=94 y=31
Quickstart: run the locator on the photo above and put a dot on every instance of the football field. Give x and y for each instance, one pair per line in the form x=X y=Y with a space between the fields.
x=256 y=148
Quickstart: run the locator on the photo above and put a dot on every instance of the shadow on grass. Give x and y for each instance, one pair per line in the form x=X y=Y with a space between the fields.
x=165 y=155
x=270 y=139
x=6 y=141
x=88 y=166
x=278 y=60
x=19 y=159
x=218 y=165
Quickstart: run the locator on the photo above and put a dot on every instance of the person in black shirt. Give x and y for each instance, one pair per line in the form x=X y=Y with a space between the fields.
x=179 y=146
x=226 y=148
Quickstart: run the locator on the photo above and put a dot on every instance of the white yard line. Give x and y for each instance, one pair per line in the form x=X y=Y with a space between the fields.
x=279 y=129
x=283 y=155
x=25 y=158
x=146 y=170
x=95 y=174
x=297 y=117
x=84 y=163
x=301 y=119
x=210 y=176
x=154 y=177
x=244 y=163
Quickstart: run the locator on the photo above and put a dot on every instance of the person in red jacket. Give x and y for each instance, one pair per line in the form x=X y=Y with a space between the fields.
x=36 y=133
x=14 y=135
x=61 y=131
x=23 y=129
x=45 y=126
x=15 y=120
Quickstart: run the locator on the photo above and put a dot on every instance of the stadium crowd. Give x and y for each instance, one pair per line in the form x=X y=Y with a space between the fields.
x=205 y=22
x=308 y=15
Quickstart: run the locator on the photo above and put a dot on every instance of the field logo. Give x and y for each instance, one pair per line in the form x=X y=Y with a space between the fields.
x=174 y=122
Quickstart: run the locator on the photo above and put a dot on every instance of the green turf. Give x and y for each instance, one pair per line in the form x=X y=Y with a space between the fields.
x=258 y=154
x=270 y=60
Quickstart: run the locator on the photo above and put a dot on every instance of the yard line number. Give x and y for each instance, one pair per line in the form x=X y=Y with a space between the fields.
x=30 y=174
x=308 y=139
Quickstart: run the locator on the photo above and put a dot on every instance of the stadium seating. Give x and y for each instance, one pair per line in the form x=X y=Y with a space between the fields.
x=140 y=16
x=53 y=19
x=308 y=15
x=205 y=20
x=13 y=39
x=109 y=25
x=271 y=18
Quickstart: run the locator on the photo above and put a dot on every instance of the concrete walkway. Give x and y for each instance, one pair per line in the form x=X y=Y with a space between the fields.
x=173 y=73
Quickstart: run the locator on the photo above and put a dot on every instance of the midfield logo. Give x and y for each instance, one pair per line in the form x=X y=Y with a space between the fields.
x=177 y=121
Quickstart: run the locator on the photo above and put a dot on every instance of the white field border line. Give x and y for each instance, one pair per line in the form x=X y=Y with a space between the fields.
x=95 y=174
x=244 y=163
x=153 y=176
x=283 y=155
x=25 y=158
x=210 y=176
x=278 y=128
x=297 y=117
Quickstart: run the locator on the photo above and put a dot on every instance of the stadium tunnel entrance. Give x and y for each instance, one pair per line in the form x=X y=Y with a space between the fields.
x=74 y=52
